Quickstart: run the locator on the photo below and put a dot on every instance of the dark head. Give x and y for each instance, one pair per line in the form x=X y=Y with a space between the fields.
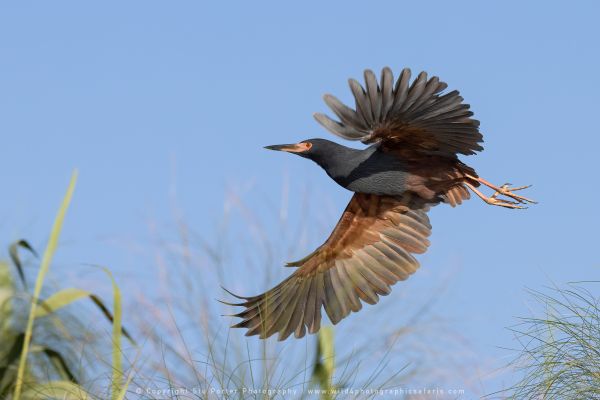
x=320 y=151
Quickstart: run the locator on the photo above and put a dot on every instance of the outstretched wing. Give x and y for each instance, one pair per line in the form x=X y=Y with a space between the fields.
x=369 y=250
x=408 y=118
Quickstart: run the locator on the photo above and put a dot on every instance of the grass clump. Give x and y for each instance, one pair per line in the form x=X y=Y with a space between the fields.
x=559 y=354
x=45 y=266
x=29 y=367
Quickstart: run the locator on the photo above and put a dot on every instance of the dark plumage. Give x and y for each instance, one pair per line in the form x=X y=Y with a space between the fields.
x=364 y=171
x=416 y=133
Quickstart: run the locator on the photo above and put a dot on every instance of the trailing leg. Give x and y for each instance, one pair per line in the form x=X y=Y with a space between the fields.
x=504 y=190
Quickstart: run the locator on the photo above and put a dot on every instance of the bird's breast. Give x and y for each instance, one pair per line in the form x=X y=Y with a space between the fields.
x=371 y=172
x=392 y=183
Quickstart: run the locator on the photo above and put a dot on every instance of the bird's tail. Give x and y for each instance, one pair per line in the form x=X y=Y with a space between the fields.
x=456 y=195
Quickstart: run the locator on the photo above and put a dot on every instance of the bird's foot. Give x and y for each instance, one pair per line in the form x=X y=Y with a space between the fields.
x=506 y=190
x=495 y=201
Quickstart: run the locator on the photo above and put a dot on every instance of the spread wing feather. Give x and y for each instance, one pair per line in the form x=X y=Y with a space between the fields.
x=409 y=117
x=370 y=249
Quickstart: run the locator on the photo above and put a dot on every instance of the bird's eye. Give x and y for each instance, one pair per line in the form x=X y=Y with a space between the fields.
x=307 y=145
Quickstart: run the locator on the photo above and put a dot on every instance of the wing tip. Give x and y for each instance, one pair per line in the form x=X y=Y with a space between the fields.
x=419 y=101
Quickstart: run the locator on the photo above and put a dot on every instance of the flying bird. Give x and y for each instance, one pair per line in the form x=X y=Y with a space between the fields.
x=415 y=134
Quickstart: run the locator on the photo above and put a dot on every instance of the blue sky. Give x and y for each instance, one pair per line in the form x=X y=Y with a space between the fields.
x=145 y=97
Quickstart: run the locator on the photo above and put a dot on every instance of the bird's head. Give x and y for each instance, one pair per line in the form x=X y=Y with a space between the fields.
x=314 y=149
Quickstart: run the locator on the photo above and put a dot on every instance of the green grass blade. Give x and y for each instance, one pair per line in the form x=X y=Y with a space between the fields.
x=13 y=251
x=63 y=390
x=559 y=356
x=327 y=351
x=325 y=363
x=44 y=267
x=96 y=300
x=59 y=300
x=60 y=364
x=123 y=392
x=10 y=357
x=117 y=351
x=7 y=292
x=70 y=295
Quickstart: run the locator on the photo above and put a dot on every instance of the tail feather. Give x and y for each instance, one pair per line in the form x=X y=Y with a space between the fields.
x=456 y=195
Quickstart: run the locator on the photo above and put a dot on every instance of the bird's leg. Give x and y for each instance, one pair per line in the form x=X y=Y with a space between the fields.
x=504 y=190
x=493 y=199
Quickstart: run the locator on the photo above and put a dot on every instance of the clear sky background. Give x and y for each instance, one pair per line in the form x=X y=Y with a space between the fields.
x=145 y=97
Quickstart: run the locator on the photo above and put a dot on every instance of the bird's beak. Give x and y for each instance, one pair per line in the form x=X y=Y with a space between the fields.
x=290 y=148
